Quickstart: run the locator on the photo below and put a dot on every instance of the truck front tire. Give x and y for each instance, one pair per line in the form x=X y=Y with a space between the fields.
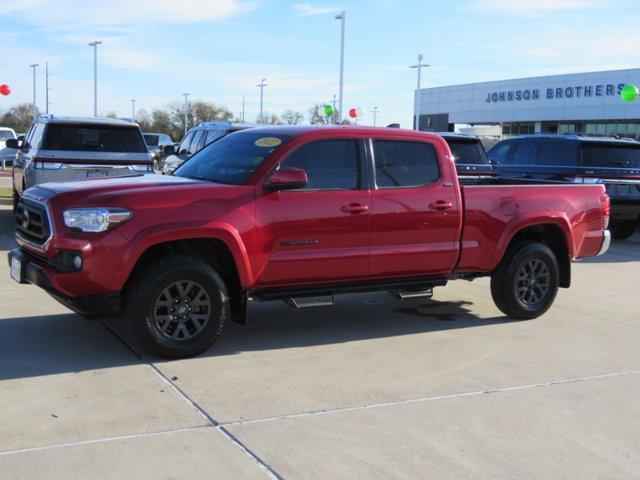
x=176 y=306
x=525 y=283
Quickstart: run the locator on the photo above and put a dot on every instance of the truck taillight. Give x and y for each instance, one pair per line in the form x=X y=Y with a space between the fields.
x=605 y=206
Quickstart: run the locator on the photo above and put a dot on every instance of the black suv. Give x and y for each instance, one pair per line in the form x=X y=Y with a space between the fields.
x=572 y=158
x=195 y=139
x=468 y=154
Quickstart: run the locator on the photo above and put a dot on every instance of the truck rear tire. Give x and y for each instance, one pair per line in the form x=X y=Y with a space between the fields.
x=177 y=306
x=623 y=230
x=525 y=283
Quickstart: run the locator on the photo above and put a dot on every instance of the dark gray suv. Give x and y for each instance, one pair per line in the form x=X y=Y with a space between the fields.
x=195 y=139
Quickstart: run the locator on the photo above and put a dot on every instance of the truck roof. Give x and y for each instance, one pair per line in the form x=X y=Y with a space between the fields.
x=296 y=130
x=95 y=120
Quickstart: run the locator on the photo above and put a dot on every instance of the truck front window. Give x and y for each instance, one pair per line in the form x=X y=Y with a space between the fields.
x=231 y=159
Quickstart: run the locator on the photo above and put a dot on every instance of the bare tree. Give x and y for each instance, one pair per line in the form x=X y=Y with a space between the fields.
x=292 y=117
x=18 y=117
x=269 y=119
x=315 y=114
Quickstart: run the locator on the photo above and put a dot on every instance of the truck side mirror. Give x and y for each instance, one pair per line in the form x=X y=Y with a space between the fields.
x=169 y=149
x=287 y=179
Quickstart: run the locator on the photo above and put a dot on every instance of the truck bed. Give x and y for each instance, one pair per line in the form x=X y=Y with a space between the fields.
x=496 y=208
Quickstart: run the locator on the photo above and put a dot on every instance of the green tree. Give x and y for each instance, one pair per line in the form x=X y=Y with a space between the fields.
x=18 y=117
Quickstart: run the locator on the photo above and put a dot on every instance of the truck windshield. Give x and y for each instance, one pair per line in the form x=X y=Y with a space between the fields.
x=231 y=159
x=468 y=153
x=609 y=155
x=93 y=138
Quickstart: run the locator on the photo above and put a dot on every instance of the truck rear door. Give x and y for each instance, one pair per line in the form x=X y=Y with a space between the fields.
x=416 y=209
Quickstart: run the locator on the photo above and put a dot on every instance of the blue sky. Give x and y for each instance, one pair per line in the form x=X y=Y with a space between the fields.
x=218 y=50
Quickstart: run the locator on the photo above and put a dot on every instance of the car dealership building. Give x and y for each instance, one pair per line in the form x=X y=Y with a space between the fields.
x=586 y=103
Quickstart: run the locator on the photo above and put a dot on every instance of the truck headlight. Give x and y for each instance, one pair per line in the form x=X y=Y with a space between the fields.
x=95 y=219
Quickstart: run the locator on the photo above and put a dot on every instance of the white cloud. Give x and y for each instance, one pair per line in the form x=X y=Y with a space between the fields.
x=71 y=14
x=529 y=6
x=307 y=9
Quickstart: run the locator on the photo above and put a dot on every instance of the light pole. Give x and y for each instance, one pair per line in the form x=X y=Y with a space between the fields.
x=133 y=109
x=262 y=85
x=341 y=16
x=186 y=110
x=375 y=112
x=335 y=110
x=46 y=89
x=95 y=76
x=35 y=110
x=243 y=105
x=419 y=66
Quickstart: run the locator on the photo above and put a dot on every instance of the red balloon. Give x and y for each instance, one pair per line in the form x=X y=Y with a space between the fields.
x=5 y=89
x=353 y=112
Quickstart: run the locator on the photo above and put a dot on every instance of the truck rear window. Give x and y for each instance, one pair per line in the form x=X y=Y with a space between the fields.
x=93 y=138
x=151 y=140
x=605 y=155
x=468 y=153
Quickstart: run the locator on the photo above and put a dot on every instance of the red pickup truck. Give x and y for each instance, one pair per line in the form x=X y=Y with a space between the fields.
x=298 y=214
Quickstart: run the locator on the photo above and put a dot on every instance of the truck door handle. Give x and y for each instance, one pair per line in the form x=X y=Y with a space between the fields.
x=440 y=205
x=354 y=208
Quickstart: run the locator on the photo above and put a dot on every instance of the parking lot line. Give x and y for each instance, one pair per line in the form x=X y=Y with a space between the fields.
x=432 y=398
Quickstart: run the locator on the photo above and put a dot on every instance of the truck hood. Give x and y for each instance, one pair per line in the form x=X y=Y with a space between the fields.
x=140 y=191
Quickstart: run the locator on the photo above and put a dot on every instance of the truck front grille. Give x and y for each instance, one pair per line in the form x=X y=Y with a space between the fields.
x=32 y=222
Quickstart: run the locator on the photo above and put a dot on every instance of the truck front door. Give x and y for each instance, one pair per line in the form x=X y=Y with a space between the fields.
x=318 y=234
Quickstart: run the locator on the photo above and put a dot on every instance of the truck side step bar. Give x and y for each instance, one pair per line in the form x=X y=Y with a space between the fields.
x=311 y=302
x=409 y=294
x=405 y=285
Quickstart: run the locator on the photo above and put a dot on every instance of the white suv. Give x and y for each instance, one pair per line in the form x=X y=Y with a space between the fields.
x=57 y=149
x=6 y=154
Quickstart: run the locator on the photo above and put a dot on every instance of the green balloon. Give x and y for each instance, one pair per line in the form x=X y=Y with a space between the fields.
x=629 y=93
x=328 y=110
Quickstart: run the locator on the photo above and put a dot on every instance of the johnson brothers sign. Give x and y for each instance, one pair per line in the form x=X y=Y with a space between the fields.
x=535 y=94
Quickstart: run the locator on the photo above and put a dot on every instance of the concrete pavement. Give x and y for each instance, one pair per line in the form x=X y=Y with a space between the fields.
x=371 y=388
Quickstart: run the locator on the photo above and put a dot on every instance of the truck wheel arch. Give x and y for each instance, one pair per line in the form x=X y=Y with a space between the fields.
x=554 y=231
x=165 y=235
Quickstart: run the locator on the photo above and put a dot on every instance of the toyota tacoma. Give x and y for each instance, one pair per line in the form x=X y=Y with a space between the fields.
x=298 y=214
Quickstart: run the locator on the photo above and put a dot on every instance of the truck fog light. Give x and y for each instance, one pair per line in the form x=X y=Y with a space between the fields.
x=77 y=262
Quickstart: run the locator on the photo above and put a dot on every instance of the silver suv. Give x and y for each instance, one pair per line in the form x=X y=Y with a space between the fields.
x=59 y=149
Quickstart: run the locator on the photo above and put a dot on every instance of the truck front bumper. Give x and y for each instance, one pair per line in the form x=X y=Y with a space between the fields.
x=26 y=268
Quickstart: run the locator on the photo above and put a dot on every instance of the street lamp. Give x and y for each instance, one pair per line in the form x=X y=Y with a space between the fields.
x=95 y=76
x=133 y=109
x=261 y=85
x=375 y=112
x=46 y=89
x=35 y=110
x=341 y=16
x=186 y=109
x=419 y=66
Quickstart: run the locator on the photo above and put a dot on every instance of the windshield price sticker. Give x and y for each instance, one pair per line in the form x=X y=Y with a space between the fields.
x=268 y=142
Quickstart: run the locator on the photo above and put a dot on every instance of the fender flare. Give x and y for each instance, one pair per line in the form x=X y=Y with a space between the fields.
x=531 y=219
x=169 y=232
